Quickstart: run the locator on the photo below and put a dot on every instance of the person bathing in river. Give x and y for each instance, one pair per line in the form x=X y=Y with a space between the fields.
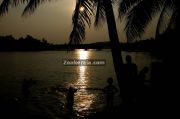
x=70 y=98
x=110 y=90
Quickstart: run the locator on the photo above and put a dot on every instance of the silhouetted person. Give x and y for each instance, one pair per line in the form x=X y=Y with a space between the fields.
x=110 y=90
x=130 y=68
x=130 y=76
x=70 y=98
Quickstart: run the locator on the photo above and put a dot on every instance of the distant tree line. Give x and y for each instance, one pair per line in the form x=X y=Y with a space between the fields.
x=9 y=43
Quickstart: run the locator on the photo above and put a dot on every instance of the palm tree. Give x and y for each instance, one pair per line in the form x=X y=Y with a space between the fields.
x=139 y=13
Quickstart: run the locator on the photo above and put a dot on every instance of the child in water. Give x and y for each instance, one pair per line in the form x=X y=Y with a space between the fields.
x=110 y=90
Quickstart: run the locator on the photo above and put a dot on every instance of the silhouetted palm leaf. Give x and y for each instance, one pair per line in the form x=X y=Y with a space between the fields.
x=80 y=19
x=31 y=6
x=29 y=9
x=140 y=12
x=174 y=20
x=17 y=2
x=165 y=12
x=4 y=7
x=125 y=6
x=100 y=13
x=100 y=16
x=139 y=17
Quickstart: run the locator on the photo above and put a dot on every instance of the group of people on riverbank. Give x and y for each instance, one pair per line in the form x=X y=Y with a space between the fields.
x=133 y=82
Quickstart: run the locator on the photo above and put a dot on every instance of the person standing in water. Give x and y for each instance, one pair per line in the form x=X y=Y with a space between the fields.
x=70 y=98
x=110 y=91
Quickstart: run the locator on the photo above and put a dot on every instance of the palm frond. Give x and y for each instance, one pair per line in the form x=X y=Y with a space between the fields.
x=4 y=7
x=80 y=19
x=125 y=5
x=139 y=17
x=100 y=13
x=165 y=12
x=31 y=6
x=17 y=2
x=174 y=21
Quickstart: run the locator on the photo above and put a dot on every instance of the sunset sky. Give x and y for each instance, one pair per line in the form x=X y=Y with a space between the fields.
x=52 y=21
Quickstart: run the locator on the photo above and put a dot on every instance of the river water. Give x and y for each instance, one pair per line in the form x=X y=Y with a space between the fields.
x=53 y=78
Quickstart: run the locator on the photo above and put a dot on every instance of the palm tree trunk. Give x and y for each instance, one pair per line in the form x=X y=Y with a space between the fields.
x=114 y=43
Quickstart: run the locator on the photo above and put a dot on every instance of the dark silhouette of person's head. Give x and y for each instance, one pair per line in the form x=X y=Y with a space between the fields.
x=70 y=89
x=128 y=59
x=110 y=81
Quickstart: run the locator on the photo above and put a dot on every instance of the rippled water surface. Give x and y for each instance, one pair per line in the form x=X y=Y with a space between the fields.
x=53 y=78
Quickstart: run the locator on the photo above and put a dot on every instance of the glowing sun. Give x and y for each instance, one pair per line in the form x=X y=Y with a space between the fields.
x=81 y=9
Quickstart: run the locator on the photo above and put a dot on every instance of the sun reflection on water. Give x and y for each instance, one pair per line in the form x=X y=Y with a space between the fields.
x=82 y=54
x=83 y=99
x=82 y=79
